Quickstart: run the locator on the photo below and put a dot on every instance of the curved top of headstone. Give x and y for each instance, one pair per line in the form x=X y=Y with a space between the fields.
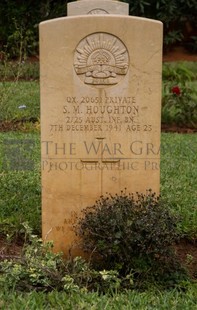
x=97 y=7
x=95 y=0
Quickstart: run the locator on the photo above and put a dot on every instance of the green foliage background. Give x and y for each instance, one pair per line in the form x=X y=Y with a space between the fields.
x=19 y=21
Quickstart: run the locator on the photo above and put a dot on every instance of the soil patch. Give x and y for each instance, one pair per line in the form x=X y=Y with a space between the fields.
x=176 y=128
x=187 y=255
x=186 y=252
x=17 y=124
x=179 y=53
x=9 y=250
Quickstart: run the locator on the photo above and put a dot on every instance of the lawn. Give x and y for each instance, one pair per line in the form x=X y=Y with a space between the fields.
x=20 y=189
x=19 y=101
x=179 y=178
x=131 y=300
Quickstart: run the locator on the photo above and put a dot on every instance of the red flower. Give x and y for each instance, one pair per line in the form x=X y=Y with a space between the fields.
x=176 y=90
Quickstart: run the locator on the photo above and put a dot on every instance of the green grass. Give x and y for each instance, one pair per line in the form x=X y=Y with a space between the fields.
x=180 y=70
x=13 y=96
x=19 y=181
x=178 y=73
x=131 y=300
x=20 y=190
x=13 y=70
x=179 y=178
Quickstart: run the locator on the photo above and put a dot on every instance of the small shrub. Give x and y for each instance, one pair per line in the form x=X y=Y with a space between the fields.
x=39 y=269
x=179 y=105
x=179 y=102
x=36 y=269
x=129 y=233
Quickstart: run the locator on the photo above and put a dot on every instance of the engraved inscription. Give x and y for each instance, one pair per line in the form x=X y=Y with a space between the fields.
x=102 y=114
x=101 y=59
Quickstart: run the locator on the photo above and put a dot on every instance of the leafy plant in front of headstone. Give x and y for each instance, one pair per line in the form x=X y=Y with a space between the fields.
x=130 y=233
x=38 y=268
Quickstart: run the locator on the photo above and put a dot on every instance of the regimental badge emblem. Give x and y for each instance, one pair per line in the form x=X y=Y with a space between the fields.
x=101 y=59
x=97 y=12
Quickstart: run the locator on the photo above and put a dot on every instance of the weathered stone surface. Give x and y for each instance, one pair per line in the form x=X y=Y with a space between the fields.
x=100 y=114
x=97 y=7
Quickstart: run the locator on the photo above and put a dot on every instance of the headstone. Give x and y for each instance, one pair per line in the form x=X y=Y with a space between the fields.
x=91 y=7
x=100 y=114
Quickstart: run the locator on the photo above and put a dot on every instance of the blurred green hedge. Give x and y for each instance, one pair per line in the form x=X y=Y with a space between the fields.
x=19 y=21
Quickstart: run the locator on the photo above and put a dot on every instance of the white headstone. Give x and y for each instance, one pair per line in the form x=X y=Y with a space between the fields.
x=100 y=114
